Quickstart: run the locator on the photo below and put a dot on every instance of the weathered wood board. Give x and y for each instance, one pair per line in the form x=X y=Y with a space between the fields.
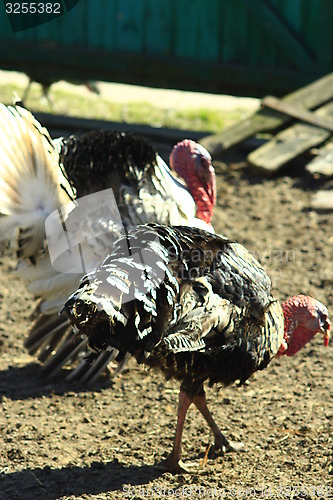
x=290 y=143
x=323 y=200
x=298 y=112
x=322 y=163
x=265 y=119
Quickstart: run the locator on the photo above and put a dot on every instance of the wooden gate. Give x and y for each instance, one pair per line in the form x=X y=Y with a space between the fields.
x=248 y=47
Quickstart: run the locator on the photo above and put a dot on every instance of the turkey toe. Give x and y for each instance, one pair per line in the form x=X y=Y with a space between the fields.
x=171 y=464
x=222 y=443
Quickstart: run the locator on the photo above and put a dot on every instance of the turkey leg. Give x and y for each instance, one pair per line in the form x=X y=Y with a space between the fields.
x=221 y=442
x=173 y=463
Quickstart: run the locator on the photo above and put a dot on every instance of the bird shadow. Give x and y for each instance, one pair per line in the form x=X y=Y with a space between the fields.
x=20 y=383
x=75 y=481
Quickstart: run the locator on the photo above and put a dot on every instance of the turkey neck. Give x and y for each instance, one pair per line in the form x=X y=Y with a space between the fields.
x=204 y=197
x=203 y=203
x=295 y=335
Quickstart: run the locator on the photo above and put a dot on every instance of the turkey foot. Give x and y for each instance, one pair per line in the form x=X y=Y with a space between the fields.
x=221 y=442
x=204 y=461
x=176 y=466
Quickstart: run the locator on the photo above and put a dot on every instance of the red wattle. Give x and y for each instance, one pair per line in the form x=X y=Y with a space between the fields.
x=300 y=337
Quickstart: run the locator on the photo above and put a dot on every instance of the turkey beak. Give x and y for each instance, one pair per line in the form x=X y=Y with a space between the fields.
x=326 y=331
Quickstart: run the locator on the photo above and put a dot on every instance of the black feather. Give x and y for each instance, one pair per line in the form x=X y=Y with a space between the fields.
x=225 y=280
x=100 y=156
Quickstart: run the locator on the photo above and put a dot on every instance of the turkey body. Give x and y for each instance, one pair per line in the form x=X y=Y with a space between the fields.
x=46 y=84
x=196 y=306
x=202 y=311
x=39 y=175
x=145 y=189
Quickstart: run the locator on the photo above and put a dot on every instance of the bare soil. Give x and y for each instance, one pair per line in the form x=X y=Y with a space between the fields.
x=60 y=440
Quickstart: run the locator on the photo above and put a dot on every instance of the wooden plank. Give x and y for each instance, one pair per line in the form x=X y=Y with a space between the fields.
x=94 y=17
x=129 y=25
x=324 y=36
x=229 y=32
x=322 y=163
x=323 y=200
x=208 y=39
x=261 y=49
x=158 y=27
x=185 y=30
x=270 y=20
x=310 y=96
x=298 y=113
x=107 y=27
x=70 y=29
x=290 y=143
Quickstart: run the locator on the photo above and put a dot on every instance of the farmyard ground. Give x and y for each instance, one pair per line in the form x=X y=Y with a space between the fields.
x=60 y=440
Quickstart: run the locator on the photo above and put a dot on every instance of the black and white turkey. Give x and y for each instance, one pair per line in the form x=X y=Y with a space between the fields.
x=194 y=305
x=39 y=175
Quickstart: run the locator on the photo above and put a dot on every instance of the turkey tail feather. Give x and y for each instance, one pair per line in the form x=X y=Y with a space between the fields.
x=44 y=331
x=68 y=351
x=93 y=370
x=30 y=180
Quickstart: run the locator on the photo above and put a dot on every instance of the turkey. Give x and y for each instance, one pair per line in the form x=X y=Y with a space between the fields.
x=47 y=82
x=38 y=175
x=196 y=306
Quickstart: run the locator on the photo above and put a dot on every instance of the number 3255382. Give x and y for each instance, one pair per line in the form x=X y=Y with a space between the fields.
x=33 y=8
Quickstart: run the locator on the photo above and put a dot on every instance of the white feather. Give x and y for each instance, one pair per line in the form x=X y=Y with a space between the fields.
x=29 y=179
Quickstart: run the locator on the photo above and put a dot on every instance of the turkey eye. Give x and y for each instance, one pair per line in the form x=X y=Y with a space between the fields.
x=325 y=323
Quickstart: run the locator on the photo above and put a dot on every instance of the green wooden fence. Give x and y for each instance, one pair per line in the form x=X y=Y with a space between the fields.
x=248 y=47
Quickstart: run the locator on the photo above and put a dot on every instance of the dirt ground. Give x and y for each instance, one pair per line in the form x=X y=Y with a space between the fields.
x=60 y=440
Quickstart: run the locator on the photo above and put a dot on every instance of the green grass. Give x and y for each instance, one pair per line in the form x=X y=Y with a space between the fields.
x=97 y=107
